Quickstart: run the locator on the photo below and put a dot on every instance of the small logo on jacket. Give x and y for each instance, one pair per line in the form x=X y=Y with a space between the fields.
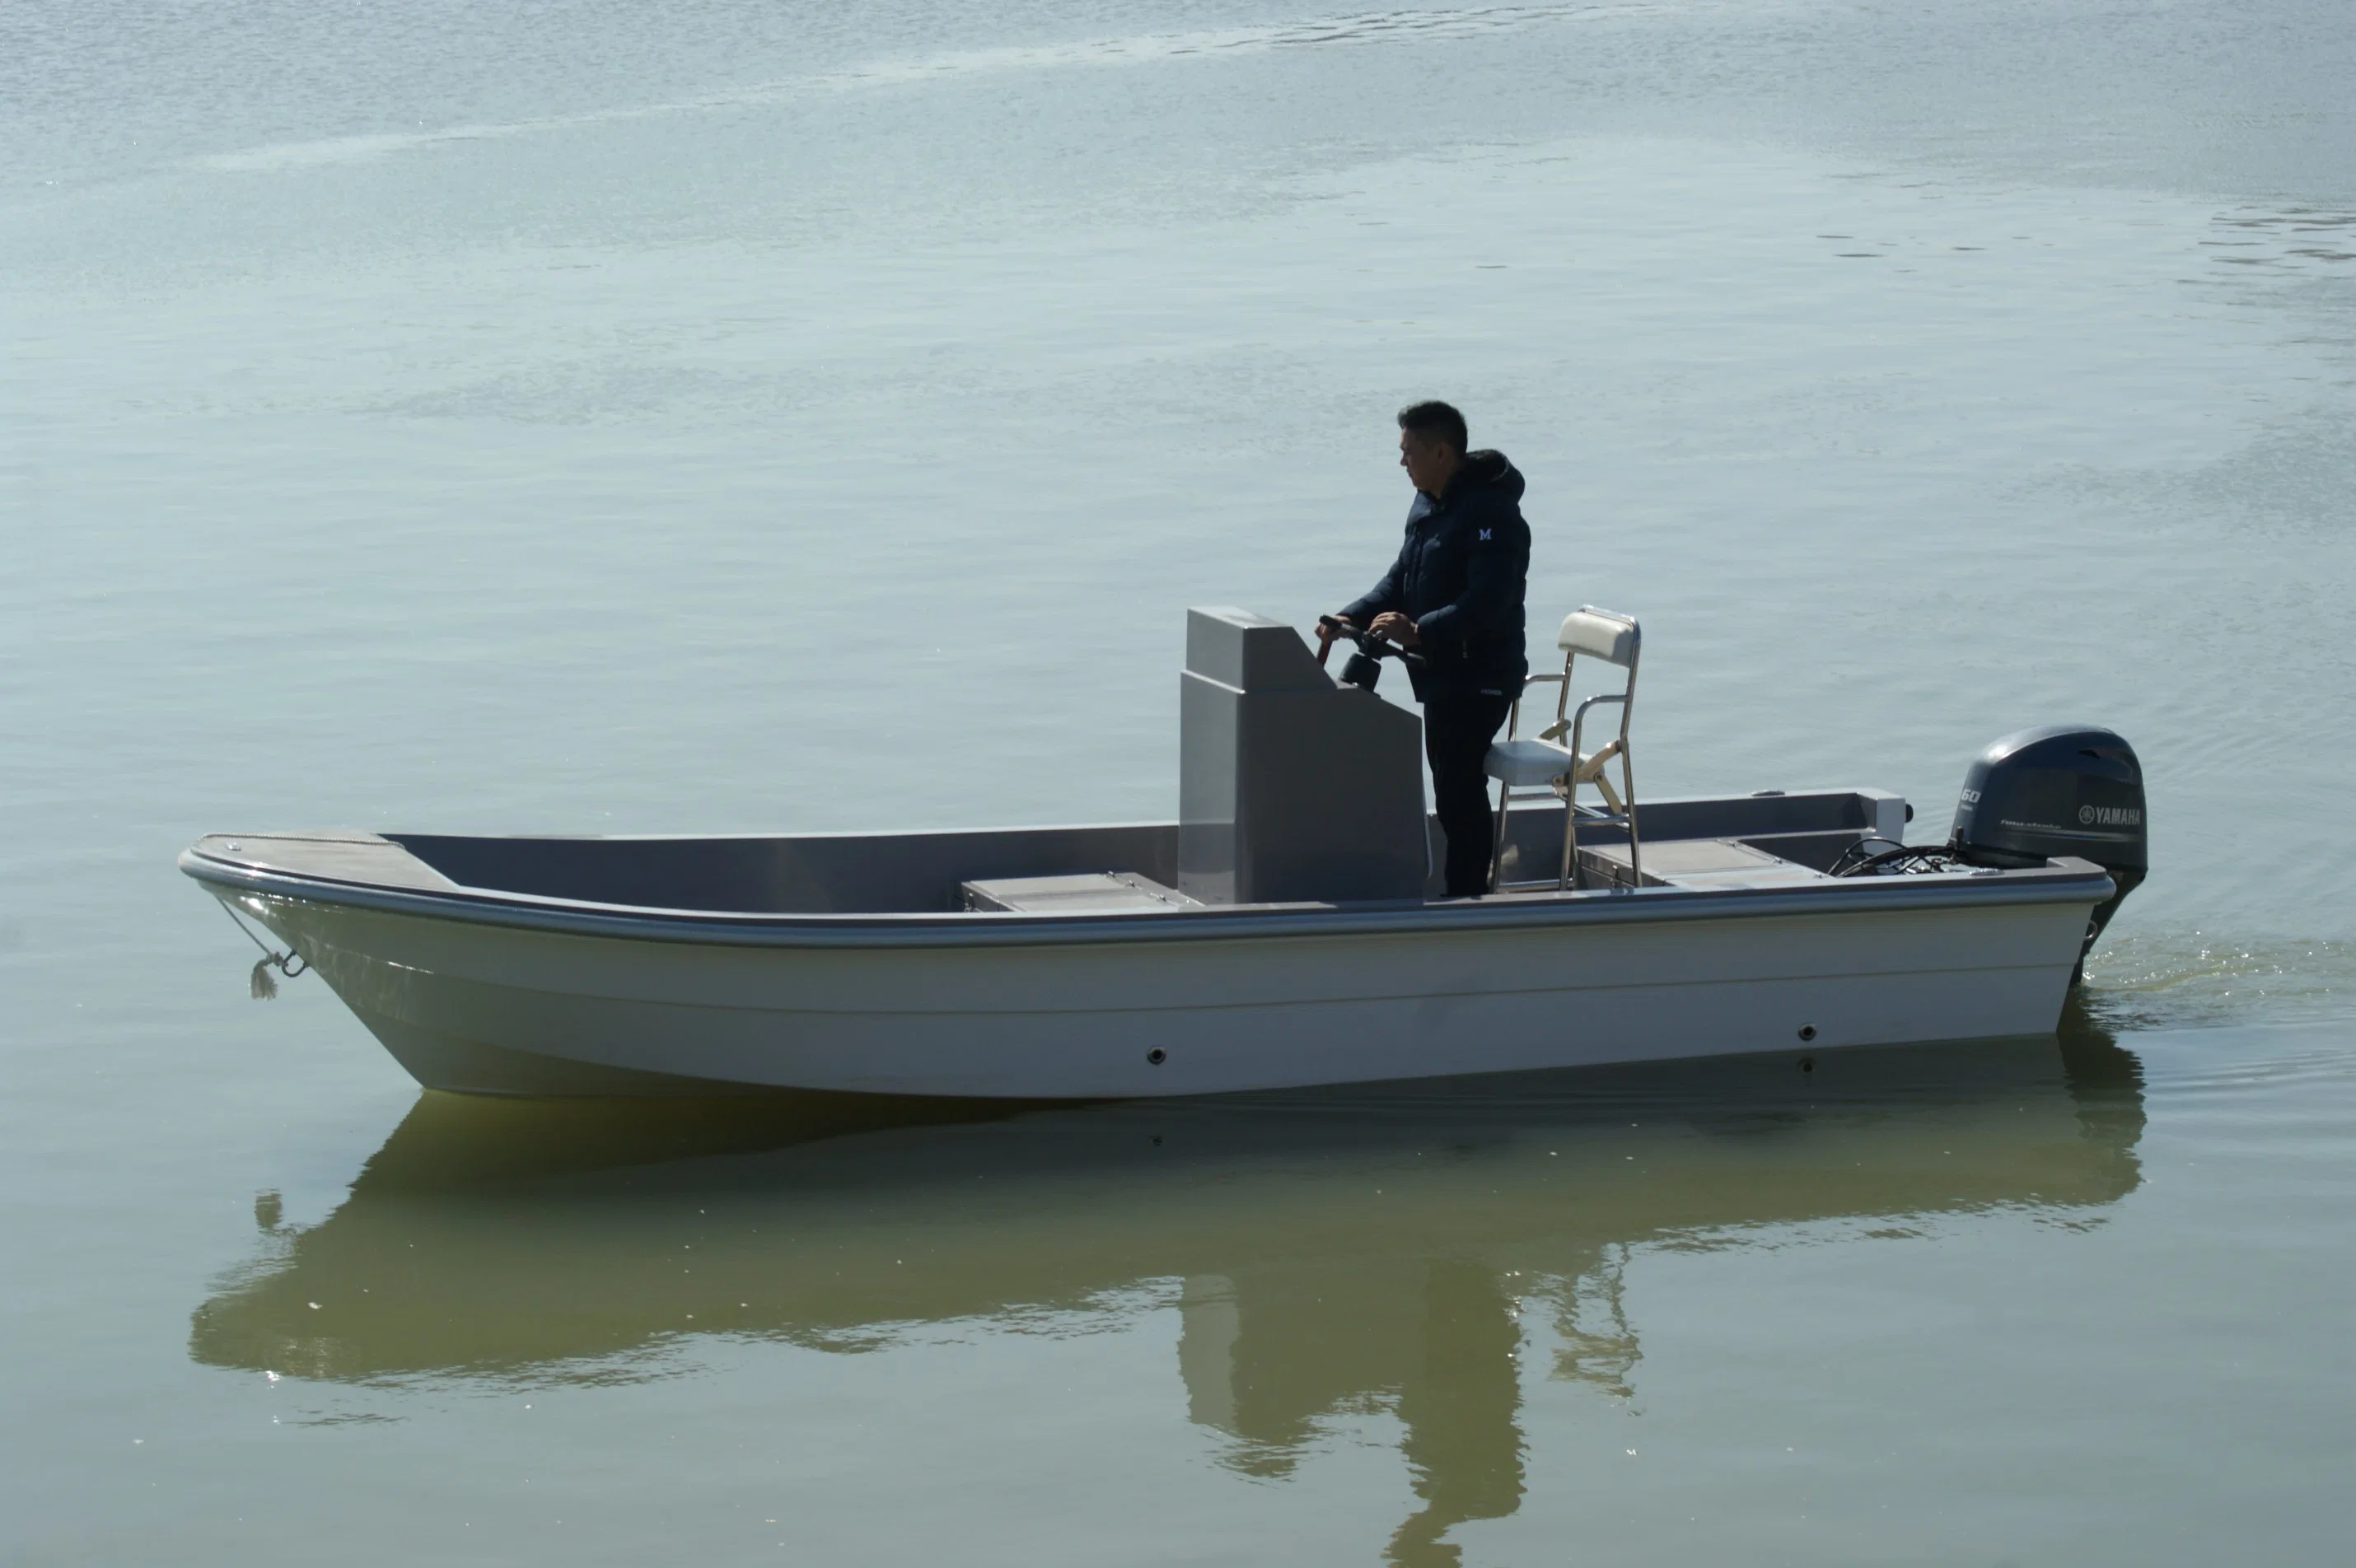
x=1485 y=533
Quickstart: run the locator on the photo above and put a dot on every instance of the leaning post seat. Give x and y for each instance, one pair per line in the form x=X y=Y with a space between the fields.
x=1556 y=759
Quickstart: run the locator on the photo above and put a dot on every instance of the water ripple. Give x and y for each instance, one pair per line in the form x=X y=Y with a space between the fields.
x=1144 y=48
x=2188 y=979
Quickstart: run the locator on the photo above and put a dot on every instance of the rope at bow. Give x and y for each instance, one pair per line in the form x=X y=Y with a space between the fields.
x=290 y=963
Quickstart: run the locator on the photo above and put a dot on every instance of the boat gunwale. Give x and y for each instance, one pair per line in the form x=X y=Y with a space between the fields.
x=2060 y=881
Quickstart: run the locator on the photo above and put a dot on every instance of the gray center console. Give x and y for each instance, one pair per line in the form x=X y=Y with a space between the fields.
x=1293 y=788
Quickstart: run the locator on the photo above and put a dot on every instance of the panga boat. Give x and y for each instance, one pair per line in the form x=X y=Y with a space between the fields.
x=1286 y=930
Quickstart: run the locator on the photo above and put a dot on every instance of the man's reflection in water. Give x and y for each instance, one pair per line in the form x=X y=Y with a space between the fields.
x=1338 y=1255
x=1438 y=1340
x=1458 y=1402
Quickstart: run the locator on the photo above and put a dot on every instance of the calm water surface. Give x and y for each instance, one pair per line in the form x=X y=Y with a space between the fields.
x=727 y=416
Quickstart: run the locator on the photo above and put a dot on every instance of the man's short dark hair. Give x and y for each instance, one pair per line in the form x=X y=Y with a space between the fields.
x=1435 y=419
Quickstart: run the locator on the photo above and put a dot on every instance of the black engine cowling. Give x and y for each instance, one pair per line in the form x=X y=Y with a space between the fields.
x=2059 y=789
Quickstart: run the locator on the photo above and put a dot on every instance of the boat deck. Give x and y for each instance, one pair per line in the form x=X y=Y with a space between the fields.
x=1772 y=841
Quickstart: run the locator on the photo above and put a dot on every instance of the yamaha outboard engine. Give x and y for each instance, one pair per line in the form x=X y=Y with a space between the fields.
x=2059 y=789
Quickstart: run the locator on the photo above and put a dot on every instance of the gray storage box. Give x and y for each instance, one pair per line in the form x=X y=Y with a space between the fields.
x=1094 y=892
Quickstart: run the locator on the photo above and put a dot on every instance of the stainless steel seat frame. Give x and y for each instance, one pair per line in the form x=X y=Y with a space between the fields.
x=1616 y=640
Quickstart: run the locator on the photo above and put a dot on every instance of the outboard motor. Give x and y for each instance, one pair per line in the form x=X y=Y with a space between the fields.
x=2059 y=789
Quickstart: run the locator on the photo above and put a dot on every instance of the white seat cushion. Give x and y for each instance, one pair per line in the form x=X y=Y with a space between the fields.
x=1519 y=763
x=1605 y=635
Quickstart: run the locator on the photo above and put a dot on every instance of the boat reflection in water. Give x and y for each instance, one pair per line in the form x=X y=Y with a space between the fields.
x=1371 y=1249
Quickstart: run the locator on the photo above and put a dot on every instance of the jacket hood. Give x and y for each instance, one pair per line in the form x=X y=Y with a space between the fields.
x=1484 y=471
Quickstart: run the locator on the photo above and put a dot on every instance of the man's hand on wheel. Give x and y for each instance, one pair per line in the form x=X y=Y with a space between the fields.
x=1329 y=628
x=1396 y=627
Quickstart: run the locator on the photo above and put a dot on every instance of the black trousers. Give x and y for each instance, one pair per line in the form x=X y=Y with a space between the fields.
x=1457 y=729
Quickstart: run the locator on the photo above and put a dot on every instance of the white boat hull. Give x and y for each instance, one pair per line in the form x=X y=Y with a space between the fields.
x=502 y=1009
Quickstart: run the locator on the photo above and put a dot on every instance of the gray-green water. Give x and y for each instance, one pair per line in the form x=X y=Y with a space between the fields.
x=731 y=416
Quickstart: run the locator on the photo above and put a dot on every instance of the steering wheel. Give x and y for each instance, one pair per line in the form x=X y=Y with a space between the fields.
x=1366 y=643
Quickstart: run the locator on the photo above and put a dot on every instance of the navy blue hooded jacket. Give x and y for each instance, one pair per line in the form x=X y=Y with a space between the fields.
x=1459 y=577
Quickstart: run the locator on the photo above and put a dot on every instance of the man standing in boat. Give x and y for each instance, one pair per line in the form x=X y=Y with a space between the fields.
x=1454 y=595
